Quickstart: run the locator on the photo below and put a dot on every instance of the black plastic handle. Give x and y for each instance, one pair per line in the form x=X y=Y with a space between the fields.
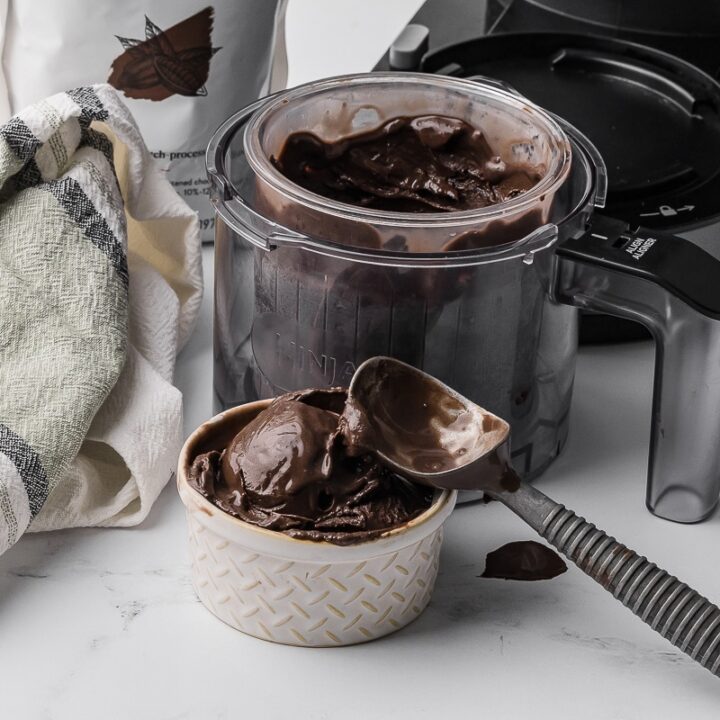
x=676 y=264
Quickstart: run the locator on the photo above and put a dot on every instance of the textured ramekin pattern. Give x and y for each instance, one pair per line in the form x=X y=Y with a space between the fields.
x=312 y=604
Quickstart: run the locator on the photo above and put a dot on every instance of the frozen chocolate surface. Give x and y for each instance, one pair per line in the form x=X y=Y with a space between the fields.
x=289 y=470
x=524 y=560
x=428 y=163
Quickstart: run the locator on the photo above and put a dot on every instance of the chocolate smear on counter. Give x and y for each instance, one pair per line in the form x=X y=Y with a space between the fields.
x=523 y=560
x=428 y=163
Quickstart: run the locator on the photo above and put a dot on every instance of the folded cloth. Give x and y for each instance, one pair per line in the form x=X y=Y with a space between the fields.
x=100 y=285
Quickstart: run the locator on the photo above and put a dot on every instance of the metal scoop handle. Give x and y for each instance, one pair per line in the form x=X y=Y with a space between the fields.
x=672 y=608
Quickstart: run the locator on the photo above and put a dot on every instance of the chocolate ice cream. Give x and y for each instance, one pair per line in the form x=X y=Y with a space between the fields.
x=523 y=560
x=289 y=470
x=428 y=163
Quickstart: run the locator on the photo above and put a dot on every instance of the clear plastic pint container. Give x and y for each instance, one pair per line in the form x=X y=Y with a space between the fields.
x=517 y=132
x=307 y=288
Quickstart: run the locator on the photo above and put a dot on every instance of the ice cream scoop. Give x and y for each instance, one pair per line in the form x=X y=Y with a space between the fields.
x=429 y=433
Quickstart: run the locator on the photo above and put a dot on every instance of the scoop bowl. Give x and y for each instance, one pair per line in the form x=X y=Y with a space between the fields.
x=426 y=431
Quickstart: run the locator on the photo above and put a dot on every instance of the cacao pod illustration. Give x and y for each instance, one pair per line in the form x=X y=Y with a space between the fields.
x=168 y=62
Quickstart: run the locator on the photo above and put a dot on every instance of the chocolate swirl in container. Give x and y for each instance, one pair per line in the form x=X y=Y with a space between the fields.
x=338 y=110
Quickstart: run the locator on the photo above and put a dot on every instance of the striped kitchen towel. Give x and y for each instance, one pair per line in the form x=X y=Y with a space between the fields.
x=100 y=285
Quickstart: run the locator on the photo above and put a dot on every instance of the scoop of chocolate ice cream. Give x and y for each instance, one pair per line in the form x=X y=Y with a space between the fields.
x=427 y=163
x=289 y=470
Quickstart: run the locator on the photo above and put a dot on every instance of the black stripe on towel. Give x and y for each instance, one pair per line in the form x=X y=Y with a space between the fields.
x=28 y=465
x=82 y=212
x=20 y=139
x=90 y=105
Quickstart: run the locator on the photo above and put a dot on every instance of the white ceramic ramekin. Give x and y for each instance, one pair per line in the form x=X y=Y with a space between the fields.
x=300 y=592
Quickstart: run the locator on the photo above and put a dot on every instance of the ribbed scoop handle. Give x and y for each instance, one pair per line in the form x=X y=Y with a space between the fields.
x=670 y=607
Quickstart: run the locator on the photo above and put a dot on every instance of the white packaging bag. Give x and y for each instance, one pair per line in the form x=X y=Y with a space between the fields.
x=182 y=67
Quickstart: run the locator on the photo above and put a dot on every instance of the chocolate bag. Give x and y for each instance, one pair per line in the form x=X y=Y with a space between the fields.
x=181 y=66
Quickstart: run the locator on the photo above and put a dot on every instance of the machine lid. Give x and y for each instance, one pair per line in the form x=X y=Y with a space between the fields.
x=697 y=18
x=654 y=117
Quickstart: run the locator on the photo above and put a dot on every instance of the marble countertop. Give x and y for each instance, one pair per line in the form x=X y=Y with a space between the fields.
x=103 y=623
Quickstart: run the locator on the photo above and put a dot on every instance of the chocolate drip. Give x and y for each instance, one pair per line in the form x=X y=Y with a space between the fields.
x=523 y=560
